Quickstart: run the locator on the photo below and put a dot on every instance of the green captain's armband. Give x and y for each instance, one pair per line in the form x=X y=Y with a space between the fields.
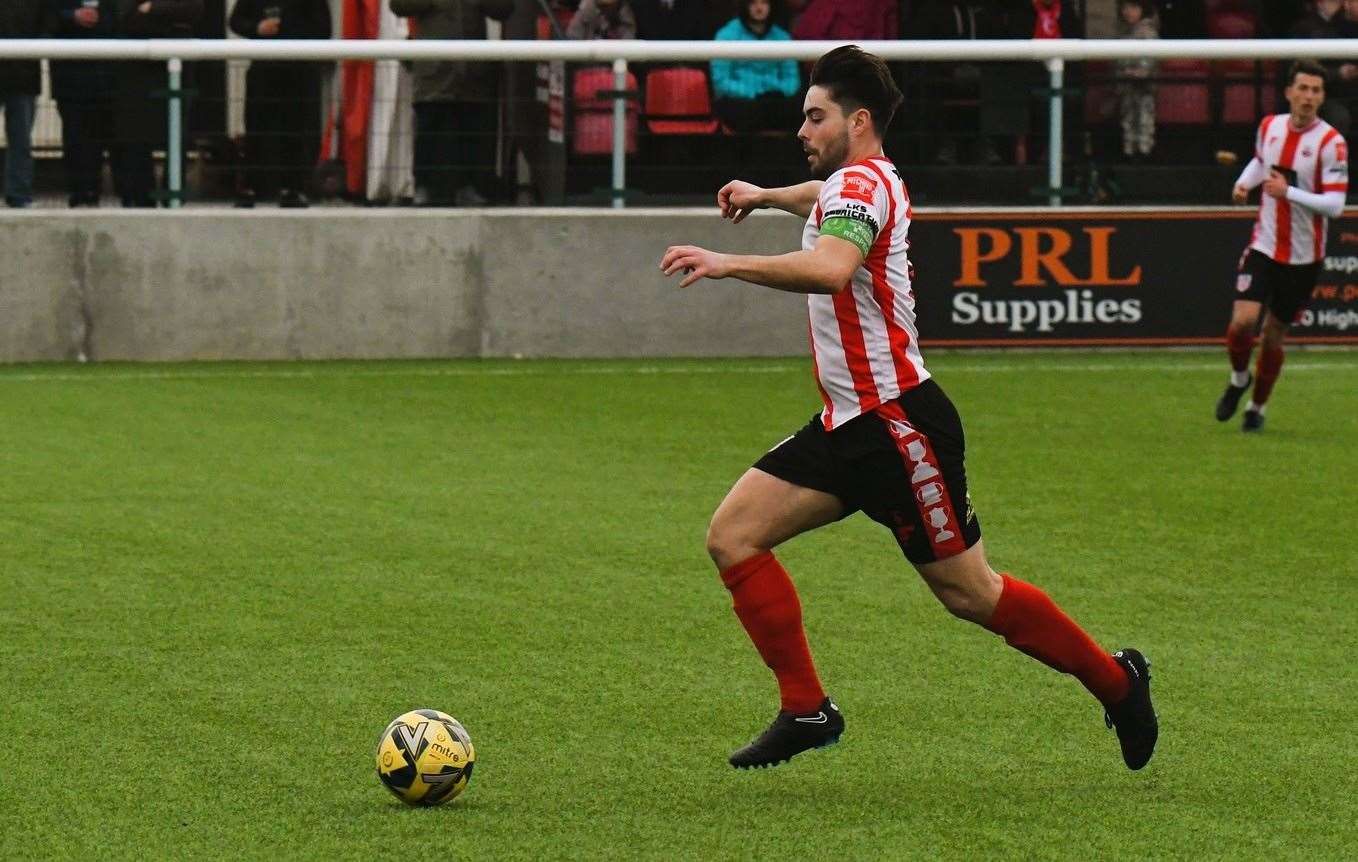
x=857 y=232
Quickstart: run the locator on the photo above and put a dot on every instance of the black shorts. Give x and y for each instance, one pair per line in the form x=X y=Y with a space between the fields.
x=901 y=464
x=1283 y=287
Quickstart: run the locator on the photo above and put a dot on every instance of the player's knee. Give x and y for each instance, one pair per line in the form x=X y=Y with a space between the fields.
x=964 y=603
x=726 y=544
x=1273 y=334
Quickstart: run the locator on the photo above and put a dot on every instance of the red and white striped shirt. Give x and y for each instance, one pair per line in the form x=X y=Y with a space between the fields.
x=864 y=344
x=1318 y=156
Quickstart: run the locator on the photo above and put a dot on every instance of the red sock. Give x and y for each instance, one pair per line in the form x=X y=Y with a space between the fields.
x=1266 y=373
x=1031 y=622
x=1239 y=343
x=766 y=603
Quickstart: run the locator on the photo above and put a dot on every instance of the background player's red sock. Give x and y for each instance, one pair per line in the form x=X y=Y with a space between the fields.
x=1031 y=622
x=766 y=603
x=1266 y=373
x=1239 y=343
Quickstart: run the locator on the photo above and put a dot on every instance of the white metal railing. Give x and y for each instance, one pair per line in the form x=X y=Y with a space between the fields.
x=1054 y=53
x=643 y=51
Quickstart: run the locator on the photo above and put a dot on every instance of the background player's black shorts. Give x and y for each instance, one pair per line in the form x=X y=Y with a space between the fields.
x=900 y=464
x=1283 y=287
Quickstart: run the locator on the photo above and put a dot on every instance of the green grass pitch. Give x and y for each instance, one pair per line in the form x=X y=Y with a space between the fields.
x=221 y=581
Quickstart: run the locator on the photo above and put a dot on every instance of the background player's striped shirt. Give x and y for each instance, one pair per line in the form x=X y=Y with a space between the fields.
x=1314 y=159
x=864 y=344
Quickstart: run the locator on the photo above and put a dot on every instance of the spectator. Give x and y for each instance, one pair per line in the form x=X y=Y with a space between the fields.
x=1045 y=19
x=848 y=20
x=1341 y=89
x=670 y=19
x=755 y=95
x=138 y=113
x=83 y=90
x=1136 y=87
x=1321 y=21
x=282 y=100
x=456 y=104
x=1007 y=89
x=603 y=19
x=951 y=112
x=20 y=83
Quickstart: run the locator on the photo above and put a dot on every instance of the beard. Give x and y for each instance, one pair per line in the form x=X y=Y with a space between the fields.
x=831 y=159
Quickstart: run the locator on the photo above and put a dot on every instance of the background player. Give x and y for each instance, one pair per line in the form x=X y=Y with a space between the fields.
x=1302 y=162
x=888 y=440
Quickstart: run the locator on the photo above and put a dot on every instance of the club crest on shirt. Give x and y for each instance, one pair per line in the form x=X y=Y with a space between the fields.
x=1307 y=153
x=859 y=187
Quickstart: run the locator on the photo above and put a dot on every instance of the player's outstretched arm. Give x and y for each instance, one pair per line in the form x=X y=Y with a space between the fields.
x=737 y=199
x=826 y=268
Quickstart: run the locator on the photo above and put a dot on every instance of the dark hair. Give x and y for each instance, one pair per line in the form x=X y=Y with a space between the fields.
x=856 y=79
x=1307 y=67
x=775 y=14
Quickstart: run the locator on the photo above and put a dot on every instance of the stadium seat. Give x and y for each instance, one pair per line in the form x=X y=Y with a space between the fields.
x=592 y=106
x=678 y=102
x=1181 y=98
x=544 y=25
x=592 y=133
x=1243 y=83
x=1232 y=24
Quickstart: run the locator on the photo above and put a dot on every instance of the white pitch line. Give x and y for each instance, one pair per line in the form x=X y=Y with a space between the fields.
x=95 y=375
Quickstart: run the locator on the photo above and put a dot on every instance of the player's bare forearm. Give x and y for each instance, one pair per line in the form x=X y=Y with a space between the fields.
x=794 y=272
x=826 y=268
x=798 y=200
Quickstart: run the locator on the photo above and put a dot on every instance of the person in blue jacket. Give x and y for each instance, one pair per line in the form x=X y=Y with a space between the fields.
x=756 y=95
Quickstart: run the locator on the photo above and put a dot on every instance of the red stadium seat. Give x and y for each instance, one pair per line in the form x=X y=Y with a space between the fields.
x=1181 y=99
x=1232 y=24
x=592 y=133
x=590 y=82
x=1243 y=85
x=544 y=24
x=592 y=128
x=678 y=102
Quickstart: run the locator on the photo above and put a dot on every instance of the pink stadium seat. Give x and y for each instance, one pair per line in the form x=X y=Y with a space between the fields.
x=1182 y=99
x=592 y=128
x=678 y=102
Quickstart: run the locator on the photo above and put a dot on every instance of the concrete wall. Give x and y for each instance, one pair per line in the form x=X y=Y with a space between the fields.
x=225 y=284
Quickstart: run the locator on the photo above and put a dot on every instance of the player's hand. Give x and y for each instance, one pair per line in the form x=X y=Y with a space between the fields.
x=1276 y=185
x=738 y=199
x=695 y=262
x=86 y=17
x=1240 y=194
x=269 y=27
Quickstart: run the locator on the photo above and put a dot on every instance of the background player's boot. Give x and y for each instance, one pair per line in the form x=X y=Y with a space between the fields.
x=1137 y=725
x=791 y=734
x=1230 y=399
x=1252 y=421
